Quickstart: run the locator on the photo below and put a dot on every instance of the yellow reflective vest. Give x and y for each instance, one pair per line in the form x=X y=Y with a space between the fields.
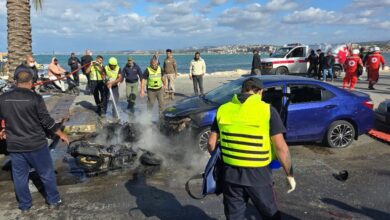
x=96 y=74
x=244 y=132
x=154 y=79
x=112 y=74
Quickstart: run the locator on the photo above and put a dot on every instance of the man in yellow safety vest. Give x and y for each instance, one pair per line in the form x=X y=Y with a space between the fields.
x=154 y=82
x=246 y=127
x=113 y=78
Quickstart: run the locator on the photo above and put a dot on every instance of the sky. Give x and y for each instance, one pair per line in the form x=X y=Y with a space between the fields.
x=74 y=25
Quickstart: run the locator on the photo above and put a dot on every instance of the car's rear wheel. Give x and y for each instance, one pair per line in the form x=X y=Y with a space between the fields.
x=281 y=71
x=202 y=138
x=340 y=134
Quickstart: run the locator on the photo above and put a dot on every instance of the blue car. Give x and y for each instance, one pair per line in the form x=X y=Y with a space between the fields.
x=312 y=110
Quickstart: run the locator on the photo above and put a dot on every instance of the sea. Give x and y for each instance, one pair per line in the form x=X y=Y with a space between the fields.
x=215 y=63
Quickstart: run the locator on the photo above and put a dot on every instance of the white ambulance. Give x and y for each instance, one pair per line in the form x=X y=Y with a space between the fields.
x=289 y=59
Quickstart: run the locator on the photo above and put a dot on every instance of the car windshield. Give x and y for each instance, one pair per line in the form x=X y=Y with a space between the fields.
x=224 y=93
x=281 y=52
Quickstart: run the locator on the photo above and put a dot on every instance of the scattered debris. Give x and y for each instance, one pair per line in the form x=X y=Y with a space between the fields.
x=176 y=125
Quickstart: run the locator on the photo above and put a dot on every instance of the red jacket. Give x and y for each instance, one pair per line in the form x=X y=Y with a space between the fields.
x=374 y=60
x=352 y=63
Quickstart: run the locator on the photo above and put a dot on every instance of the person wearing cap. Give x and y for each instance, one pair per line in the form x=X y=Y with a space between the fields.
x=351 y=67
x=256 y=63
x=26 y=121
x=373 y=64
x=246 y=139
x=170 y=72
x=132 y=74
x=74 y=64
x=113 y=78
x=97 y=84
x=154 y=82
x=55 y=72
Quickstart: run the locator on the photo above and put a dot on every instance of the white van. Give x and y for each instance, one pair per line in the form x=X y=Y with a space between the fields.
x=290 y=58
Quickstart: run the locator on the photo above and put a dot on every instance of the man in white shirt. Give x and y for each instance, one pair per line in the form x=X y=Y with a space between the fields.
x=197 y=71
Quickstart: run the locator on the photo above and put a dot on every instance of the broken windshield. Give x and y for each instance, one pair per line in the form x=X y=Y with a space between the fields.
x=281 y=52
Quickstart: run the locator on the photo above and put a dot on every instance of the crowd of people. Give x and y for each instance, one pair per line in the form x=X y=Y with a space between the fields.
x=353 y=62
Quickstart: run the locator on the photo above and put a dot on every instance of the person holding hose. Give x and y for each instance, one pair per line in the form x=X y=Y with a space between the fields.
x=246 y=138
x=26 y=120
x=113 y=78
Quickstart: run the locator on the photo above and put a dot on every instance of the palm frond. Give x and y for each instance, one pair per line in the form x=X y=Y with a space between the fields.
x=37 y=4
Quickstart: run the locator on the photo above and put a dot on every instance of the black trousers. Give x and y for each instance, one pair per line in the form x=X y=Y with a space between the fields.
x=76 y=77
x=99 y=91
x=312 y=68
x=235 y=200
x=198 y=81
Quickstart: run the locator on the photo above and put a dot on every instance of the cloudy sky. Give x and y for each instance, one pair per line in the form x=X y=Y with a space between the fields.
x=73 y=25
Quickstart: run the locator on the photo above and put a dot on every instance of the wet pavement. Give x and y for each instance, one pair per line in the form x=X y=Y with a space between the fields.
x=160 y=194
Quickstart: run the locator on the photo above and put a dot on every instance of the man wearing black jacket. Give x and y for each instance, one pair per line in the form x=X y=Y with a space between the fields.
x=26 y=119
x=74 y=63
x=256 y=63
x=313 y=64
x=321 y=59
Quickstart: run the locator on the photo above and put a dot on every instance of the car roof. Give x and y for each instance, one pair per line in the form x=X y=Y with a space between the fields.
x=283 y=78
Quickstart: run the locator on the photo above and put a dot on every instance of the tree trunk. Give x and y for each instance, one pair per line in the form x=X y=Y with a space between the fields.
x=19 y=33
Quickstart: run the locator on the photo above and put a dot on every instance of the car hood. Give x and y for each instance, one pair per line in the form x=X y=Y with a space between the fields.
x=188 y=106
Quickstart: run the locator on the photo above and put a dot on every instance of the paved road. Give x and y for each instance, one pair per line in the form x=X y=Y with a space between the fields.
x=124 y=195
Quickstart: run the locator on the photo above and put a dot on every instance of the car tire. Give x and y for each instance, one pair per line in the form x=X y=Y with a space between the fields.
x=340 y=134
x=202 y=138
x=281 y=71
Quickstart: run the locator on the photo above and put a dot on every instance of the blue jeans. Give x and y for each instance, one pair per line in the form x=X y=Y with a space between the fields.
x=41 y=161
x=328 y=71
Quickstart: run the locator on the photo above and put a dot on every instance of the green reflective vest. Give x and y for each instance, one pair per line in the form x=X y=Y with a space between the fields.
x=154 y=79
x=244 y=132
x=96 y=74
x=112 y=74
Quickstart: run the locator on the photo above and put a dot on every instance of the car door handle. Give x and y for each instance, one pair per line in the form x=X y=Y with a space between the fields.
x=330 y=106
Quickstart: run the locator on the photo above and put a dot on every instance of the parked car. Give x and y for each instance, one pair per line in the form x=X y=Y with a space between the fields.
x=382 y=116
x=312 y=110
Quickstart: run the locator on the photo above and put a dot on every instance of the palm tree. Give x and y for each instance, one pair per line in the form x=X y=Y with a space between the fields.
x=19 y=31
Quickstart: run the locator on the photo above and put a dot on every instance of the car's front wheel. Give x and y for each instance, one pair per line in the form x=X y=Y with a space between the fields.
x=281 y=71
x=340 y=134
x=202 y=138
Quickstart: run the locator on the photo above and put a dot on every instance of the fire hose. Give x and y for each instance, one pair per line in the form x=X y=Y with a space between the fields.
x=61 y=78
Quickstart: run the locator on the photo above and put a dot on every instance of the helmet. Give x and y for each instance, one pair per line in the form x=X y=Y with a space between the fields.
x=355 y=51
x=377 y=49
x=113 y=61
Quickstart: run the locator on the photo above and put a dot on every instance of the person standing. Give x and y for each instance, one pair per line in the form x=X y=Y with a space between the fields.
x=113 y=78
x=97 y=85
x=132 y=73
x=247 y=140
x=197 y=71
x=87 y=58
x=154 y=83
x=29 y=65
x=370 y=51
x=256 y=63
x=321 y=58
x=55 y=72
x=74 y=64
x=351 y=67
x=313 y=64
x=170 y=72
x=328 y=65
x=26 y=118
x=373 y=64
